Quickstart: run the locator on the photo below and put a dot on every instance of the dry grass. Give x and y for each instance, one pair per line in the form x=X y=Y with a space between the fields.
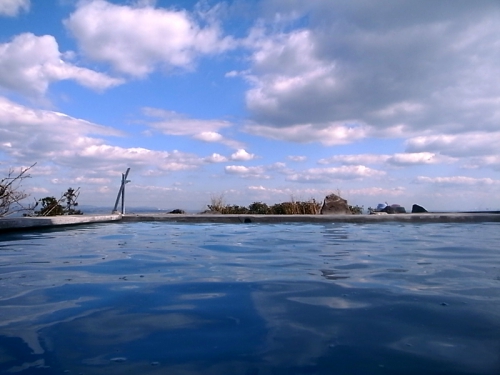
x=310 y=207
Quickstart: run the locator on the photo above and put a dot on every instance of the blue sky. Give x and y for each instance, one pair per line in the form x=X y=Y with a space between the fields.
x=380 y=100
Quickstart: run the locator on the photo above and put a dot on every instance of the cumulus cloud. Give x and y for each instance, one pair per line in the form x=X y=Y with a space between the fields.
x=158 y=37
x=215 y=158
x=173 y=123
x=209 y=137
x=286 y=64
x=102 y=154
x=328 y=134
x=492 y=161
x=457 y=145
x=34 y=134
x=396 y=70
x=12 y=8
x=242 y=155
x=29 y=63
x=47 y=136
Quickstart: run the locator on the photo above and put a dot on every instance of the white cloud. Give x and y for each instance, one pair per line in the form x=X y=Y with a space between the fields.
x=355 y=159
x=259 y=188
x=176 y=124
x=166 y=161
x=29 y=63
x=338 y=173
x=328 y=135
x=242 y=155
x=40 y=134
x=12 y=8
x=285 y=69
x=209 y=137
x=457 y=145
x=398 y=160
x=173 y=123
x=258 y=172
x=457 y=181
x=417 y=158
x=397 y=191
x=136 y=39
x=492 y=161
x=47 y=136
x=215 y=158
x=423 y=71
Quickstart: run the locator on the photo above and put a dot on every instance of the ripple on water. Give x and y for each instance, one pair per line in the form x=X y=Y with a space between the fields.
x=279 y=298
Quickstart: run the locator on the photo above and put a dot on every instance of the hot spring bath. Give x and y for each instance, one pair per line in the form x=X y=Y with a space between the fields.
x=169 y=298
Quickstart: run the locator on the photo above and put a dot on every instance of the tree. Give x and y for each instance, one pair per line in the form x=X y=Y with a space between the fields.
x=11 y=194
x=71 y=196
x=52 y=206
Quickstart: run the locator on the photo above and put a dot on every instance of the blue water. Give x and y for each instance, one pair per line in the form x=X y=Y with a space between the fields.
x=167 y=298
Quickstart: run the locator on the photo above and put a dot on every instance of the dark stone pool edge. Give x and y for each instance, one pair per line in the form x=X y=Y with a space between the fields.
x=458 y=217
x=29 y=223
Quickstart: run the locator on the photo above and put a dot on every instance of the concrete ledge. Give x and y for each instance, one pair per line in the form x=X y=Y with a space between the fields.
x=25 y=223
x=413 y=218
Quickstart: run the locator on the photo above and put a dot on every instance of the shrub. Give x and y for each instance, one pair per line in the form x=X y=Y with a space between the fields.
x=259 y=208
x=310 y=207
x=357 y=210
x=52 y=206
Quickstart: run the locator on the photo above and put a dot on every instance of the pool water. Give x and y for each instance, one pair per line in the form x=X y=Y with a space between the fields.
x=169 y=298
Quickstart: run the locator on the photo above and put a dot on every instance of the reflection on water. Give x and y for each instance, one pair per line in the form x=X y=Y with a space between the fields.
x=151 y=298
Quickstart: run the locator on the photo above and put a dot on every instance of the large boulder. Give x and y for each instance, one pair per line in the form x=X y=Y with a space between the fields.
x=416 y=209
x=394 y=209
x=335 y=205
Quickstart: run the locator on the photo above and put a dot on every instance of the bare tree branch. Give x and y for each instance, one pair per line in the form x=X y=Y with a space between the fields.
x=11 y=194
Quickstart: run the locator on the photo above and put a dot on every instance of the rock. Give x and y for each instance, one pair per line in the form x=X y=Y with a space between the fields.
x=177 y=211
x=399 y=210
x=394 y=209
x=335 y=205
x=416 y=209
x=389 y=210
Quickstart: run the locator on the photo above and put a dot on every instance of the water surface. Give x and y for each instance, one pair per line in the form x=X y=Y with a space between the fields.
x=167 y=298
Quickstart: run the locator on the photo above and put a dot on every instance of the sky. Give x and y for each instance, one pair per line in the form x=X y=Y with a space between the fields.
x=378 y=100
